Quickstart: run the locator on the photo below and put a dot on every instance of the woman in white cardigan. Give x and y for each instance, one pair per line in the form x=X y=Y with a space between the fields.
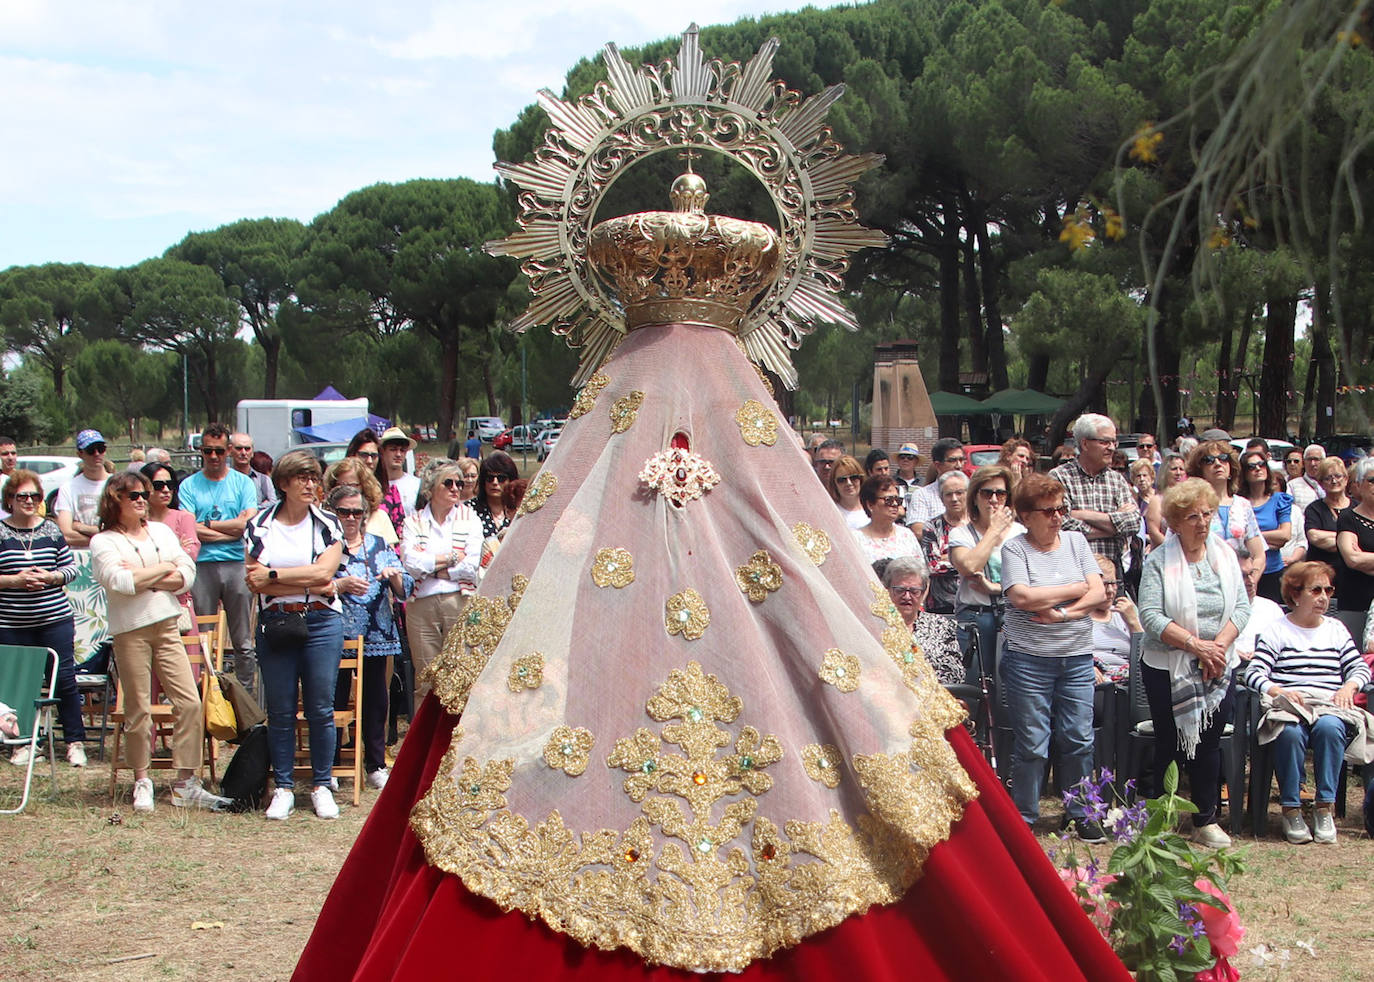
x=143 y=568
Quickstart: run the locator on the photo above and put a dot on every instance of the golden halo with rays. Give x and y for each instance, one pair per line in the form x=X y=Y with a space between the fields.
x=733 y=109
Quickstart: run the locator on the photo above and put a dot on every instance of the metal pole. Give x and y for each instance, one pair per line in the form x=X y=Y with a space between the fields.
x=185 y=402
x=524 y=407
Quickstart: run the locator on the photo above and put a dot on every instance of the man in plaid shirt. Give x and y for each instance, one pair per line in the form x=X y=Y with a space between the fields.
x=1101 y=504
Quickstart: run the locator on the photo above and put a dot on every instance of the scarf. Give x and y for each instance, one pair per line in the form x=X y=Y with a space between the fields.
x=1237 y=520
x=1195 y=701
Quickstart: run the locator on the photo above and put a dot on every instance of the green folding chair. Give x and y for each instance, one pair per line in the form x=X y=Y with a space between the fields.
x=22 y=673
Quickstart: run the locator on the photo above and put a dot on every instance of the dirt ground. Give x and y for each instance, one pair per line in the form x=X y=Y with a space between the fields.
x=183 y=895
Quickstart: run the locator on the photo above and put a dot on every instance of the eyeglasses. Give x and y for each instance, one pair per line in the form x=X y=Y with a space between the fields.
x=1322 y=591
x=1333 y=479
x=1108 y=442
x=1111 y=583
x=469 y=478
x=906 y=591
x=1059 y=511
x=1199 y=518
x=213 y=451
x=1147 y=446
x=959 y=460
x=162 y=485
x=28 y=496
x=452 y=483
x=503 y=478
x=350 y=512
x=305 y=478
x=95 y=448
x=1212 y=458
x=366 y=455
x=849 y=477
x=891 y=501
x=992 y=492
x=135 y=495
x=1256 y=465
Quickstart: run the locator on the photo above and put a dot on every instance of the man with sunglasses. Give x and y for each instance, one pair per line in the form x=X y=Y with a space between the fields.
x=77 y=504
x=241 y=454
x=1148 y=449
x=222 y=501
x=1101 y=503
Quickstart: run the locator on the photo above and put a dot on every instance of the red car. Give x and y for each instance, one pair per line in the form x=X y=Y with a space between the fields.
x=980 y=455
x=503 y=440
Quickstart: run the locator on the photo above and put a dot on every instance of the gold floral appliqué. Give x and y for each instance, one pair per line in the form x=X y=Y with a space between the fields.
x=526 y=673
x=840 y=670
x=757 y=424
x=587 y=397
x=813 y=541
x=569 y=750
x=822 y=763
x=469 y=645
x=759 y=577
x=685 y=613
x=537 y=494
x=624 y=411
x=613 y=567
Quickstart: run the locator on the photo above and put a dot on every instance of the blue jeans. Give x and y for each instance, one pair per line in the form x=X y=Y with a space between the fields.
x=985 y=622
x=316 y=667
x=60 y=636
x=1048 y=697
x=1327 y=738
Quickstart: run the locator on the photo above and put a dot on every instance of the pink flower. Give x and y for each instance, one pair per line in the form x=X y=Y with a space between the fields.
x=1222 y=971
x=1222 y=924
x=1089 y=889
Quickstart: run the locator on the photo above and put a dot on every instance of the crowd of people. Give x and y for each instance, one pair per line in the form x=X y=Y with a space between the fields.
x=1056 y=586
x=298 y=558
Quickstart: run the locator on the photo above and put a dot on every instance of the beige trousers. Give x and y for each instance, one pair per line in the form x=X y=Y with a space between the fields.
x=428 y=620
x=141 y=653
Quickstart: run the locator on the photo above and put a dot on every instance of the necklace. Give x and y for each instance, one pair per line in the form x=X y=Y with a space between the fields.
x=27 y=543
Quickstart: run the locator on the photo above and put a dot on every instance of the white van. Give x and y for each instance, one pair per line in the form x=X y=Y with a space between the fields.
x=487 y=428
x=275 y=424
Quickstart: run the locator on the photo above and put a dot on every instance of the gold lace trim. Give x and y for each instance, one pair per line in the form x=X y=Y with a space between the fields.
x=757 y=424
x=613 y=567
x=569 y=750
x=759 y=577
x=587 y=397
x=526 y=673
x=813 y=541
x=625 y=410
x=675 y=886
x=686 y=613
x=840 y=670
x=545 y=483
x=470 y=644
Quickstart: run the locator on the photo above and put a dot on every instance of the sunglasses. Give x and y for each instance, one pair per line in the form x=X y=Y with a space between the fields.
x=1059 y=510
x=364 y=455
x=1333 y=479
x=162 y=485
x=1212 y=458
x=992 y=492
x=28 y=496
x=847 y=478
x=213 y=451
x=1255 y=465
x=95 y=449
x=452 y=483
x=891 y=501
x=1322 y=591
x=135 y=495
x=503 y=478
x=350 y=512
x=1147 y=446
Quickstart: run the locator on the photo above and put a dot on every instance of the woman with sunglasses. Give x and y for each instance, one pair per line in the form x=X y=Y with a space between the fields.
x=495 y=471
x=845 y=480
x=1355 y=540
x=441 y=548
x=162 y=507
x=354 y=472
x=975 y=549
x=1273 y=508
x=885 y=537
x=1308 y=671
x=1233 y=520
x=292 y=554
x=1193 y=605
x=143 y=569
x=35 y=564
x=1052 y=582
x=369 y=579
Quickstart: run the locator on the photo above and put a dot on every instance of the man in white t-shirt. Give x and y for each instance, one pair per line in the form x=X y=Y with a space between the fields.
x=924 y=503
x=77 y=507
x=1263 y=611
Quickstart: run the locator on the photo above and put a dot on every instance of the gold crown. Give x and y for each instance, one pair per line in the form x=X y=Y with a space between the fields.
x=684 y=266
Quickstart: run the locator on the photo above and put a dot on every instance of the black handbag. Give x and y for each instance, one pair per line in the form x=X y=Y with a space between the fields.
x=284 y=629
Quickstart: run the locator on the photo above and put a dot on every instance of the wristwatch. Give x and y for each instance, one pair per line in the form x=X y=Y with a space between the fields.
x=271 y=574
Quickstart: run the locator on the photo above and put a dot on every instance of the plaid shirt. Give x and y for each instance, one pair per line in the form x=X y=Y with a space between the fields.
x=1106 y=492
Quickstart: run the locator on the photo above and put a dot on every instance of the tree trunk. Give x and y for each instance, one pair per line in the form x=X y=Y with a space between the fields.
x=1226 y=403
x=973 y=312
x=59 y=377
x=1323 y=365
x=1276 y=374
x=271 y=356
x=992 y=311
x=1164 y=418
x=1037 y=372
x=448 y=382
x=950 y=333
x=1089 y=391
x=492 y=407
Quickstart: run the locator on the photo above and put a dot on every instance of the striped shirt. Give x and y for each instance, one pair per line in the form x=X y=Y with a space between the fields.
x=1315 y=659
x=45 y=548
x=1025 y=565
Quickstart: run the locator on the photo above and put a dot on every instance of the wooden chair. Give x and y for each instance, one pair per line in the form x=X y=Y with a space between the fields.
x=346 y=721
x=200 y=653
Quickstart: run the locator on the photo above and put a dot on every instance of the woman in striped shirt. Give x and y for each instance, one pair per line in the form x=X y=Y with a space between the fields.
x=35 y=564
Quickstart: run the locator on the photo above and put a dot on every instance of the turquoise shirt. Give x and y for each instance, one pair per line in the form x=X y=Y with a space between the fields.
x=212 y=501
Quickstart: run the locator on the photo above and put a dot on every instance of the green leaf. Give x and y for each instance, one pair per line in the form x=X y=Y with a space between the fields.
x=1171 y=778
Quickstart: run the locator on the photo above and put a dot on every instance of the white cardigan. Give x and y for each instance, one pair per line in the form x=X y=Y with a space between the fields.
x=127 y=610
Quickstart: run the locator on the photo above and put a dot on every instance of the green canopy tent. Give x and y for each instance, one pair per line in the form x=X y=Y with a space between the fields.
x=956 y=404
x=1020 y=402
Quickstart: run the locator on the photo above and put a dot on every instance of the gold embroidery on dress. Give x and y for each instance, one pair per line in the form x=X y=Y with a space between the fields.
x=569 y=750
x=587 y=397
x=613 y=567
x=757 y=423
x=526 y=673
x=840 y=670
x=518 y=582
x=662 y=887
x=759 y=577
x=469 y=645
x=624 y=411
x=822 y=763
x=545 y=483
x=685 y=613
x=813 y=541
x=883 y=608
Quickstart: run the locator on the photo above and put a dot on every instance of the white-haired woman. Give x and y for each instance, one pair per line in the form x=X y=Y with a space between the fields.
x=944 y=576
x=932 y=635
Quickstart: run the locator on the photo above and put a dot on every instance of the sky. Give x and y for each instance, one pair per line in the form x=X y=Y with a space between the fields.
x=128 y=123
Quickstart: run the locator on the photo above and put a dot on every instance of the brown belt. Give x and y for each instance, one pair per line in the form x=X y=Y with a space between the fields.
x=300 y=608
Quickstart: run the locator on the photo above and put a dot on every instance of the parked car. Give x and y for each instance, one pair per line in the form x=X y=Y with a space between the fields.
x=1278 y=449
x=523 y=437
x=52 y=471
x=980 y=455
x=503 y=441
x=487 y=428
x=326 y=453
x=545 y=441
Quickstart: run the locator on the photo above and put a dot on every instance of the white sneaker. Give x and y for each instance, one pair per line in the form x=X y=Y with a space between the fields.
x=76 y=755
x=20 y=758
x=323 y=800
x=192 y=794
x=1325 y=831
x=283 y=803
x=333 y=784
x=1212 y=836
x=143 y=796
x=377 y=779
x=1295 y=830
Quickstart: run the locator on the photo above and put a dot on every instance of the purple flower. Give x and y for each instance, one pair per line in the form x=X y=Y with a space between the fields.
x=1179 y=944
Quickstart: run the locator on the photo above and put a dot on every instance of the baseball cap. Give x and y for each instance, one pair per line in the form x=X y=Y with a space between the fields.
x=88 y=438
x=908 y=448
